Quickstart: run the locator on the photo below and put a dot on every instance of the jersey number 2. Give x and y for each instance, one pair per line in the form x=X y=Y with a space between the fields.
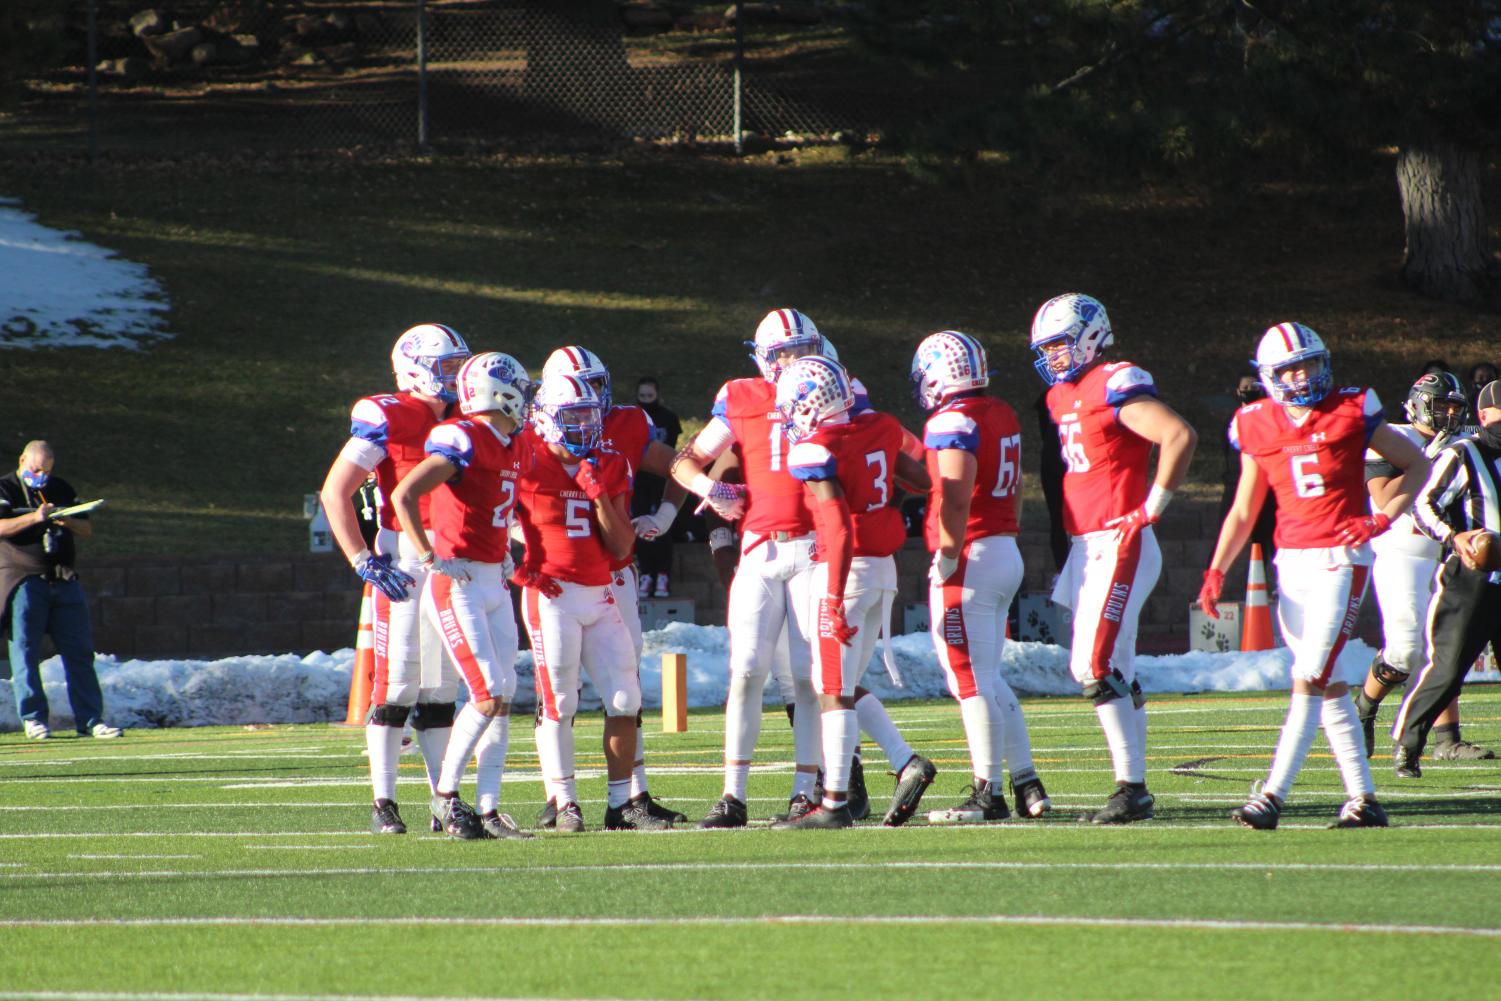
x=503 y=509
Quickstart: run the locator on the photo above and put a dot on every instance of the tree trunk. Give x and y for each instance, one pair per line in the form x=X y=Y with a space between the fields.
x=1447 y=255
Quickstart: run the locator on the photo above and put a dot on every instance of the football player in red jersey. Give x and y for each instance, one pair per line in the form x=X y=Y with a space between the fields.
x=411 y=676
x=849 y=466
x=572 y=503
x=1109 y=418
x=772 y=585
x=628 y=431
x=471 y=469
x=1307 y=444
x=973 y=444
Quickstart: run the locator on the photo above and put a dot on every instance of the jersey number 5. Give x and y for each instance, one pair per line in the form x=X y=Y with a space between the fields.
x=576 y=519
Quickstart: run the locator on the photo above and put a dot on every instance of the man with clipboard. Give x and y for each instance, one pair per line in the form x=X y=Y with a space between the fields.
x=40 y=594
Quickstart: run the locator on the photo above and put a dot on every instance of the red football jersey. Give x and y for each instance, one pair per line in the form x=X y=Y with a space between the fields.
x=628 y=433
x=1315 y=467
x=861 y=455
x=470 y=512
x=397 y=423
x=986 y=428
x=1105 y=475
x=562 y=537
x=775 y=502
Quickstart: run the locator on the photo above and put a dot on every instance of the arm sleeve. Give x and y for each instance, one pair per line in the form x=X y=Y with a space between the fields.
x=836 y=530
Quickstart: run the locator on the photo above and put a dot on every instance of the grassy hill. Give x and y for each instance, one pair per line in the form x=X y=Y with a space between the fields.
x=290 y=279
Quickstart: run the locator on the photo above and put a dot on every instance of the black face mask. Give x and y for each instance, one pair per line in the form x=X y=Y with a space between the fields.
x=1491 y=435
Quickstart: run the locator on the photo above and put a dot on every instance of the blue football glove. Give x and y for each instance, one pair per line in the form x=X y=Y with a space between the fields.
x=378 y=572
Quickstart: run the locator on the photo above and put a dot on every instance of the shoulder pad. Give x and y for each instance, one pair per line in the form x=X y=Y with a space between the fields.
x=808 y=460
x=451 y=441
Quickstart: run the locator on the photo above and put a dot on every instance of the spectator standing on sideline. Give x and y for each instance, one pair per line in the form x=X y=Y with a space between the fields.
x=655 y=554
x=1457 y=504
x=41 y=594
x=1481 y=374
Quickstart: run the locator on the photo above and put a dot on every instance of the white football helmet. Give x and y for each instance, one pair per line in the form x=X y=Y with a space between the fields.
x=783 y=334
x=1289 y=345
x=583 y=363
x=947 y=362
x=426 y=360
x=811 y=391
x=494 y=382
x=1080 y=321
x=567 y=411
x=827 y=349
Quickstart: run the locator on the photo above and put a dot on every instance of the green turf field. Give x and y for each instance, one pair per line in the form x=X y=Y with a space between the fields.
x=235 y=863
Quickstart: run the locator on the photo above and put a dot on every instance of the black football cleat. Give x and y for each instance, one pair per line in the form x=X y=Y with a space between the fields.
x=1031 y=798
x=500 y=827
x=384 y=819
x=913 y=781
x=820 y=818
x=859 y=796
x=1128 y=804
x=1261 y=812
x=1362 y=811
x=727 y=813
x=547 y=817
x=455 y=818
x=570 y=820
x=658 y=810
x=983 y=805
x=1405 y=763
x=633 y=816
x=1461 y=750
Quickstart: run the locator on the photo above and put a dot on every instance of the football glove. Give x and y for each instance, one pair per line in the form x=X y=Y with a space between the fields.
x=533 y=578
x=1358 y=531
x=378 y=572
x=727 y=500
x=1209 y=594
x=942 y=568
x=831 y=624
x=587 y=477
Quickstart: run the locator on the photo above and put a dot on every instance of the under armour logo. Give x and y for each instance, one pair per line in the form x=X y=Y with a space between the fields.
x=1318 y=436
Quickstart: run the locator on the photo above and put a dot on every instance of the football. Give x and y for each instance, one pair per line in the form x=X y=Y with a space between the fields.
x=1485 y=547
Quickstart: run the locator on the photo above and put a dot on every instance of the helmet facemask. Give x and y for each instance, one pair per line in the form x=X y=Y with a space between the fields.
x=1300 y=381
x=1438 y=402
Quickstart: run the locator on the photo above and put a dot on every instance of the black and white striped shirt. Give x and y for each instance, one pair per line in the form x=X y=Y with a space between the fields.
x=1463 y=491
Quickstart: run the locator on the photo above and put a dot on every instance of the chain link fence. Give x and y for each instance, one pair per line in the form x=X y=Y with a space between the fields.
x=251 y=75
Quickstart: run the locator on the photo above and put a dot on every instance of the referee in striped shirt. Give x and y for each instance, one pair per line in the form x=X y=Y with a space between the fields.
x=1461 y=498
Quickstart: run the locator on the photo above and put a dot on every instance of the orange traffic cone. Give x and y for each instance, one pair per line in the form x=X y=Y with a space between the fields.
x=1256 y=624
x=362 y=678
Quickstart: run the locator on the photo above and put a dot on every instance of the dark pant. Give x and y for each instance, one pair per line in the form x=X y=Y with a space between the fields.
x=56 y=608
x=1466 y=615
x=655 y=555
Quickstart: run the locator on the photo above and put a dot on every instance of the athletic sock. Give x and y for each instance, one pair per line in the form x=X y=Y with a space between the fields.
x=1298 y=731
x=490 y=763
x=619 y=792
x=1117 y=719
x=548 y=734
x=807 y=728
x=1446 y=734
x=876 y=722
x=985 y=743
x=742 y=719
x=1139 y=738
x=1006 y=713
x=804 y=784
x=464 y=738
x=841 y=731
x=1342 y=730
x=383 y=744
x=736 y=778
x=433 y=743
x=638 y=772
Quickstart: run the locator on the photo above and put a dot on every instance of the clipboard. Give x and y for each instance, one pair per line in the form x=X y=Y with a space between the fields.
x=85 y=508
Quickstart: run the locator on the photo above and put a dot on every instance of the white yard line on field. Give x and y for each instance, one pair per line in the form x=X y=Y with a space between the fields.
x=307 y=848
x=1188 y=924
x=221 y=996
x=666 y=867
x=125 y=856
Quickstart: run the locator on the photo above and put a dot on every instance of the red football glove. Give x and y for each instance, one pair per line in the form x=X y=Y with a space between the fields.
x=831 y=624
x=1129 y=526
x=587 y=477
x=536 y=580
x=1356 y=531
x=1209 y=594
